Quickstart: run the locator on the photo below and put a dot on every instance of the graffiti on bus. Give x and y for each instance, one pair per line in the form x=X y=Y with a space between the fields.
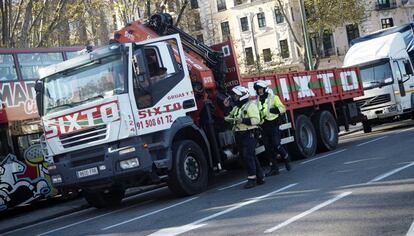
x=17 y=101
x=24 y=181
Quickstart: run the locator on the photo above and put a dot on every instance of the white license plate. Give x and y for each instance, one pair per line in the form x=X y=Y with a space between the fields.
x=87 y=172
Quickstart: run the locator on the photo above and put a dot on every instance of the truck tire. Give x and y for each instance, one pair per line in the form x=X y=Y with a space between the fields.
x=101 y=199
x=326 y=131
x=367 y=127
x=189 y=173
x=305 y=138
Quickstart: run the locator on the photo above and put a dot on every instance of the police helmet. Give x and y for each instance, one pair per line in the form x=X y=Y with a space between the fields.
x=261 y=84
x=242 y=92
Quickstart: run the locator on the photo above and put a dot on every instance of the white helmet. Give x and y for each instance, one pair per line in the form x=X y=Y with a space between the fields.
x=242 y=92
x=261 y=84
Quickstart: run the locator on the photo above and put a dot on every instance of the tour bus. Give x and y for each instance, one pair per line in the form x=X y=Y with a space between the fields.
x=23 y=171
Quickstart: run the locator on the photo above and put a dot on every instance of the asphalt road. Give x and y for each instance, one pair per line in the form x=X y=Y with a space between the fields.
x=364 y=187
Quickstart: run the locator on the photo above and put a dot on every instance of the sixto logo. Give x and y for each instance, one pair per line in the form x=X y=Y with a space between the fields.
x=101 y=114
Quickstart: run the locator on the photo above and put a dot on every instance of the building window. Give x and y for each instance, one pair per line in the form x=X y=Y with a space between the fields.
x=261 y=20
x=221 y=5
x=238 y=2
x=284 y=48
x=352 y=32
x=279 y=16
x=194 y=4
x=328 y=44
x=387 y=23
x=225 y=30
x=244 y=22
x=200 y=38
x=249 y=56
x=267 y=55
x=197 y=22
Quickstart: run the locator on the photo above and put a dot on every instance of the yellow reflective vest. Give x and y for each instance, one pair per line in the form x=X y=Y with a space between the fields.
x=247 y=111
x=272 y=101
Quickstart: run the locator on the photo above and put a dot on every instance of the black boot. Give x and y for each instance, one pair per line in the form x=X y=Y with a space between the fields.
x=260 y=181
x=286 y=160
x=250 y=183
x=274 y=170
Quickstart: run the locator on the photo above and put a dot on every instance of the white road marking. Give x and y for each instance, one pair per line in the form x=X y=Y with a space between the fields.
x=89 y=219
x=383 y=176
x=198 y=223
x=361 y=160
x=233 y=185
x=370 y=141
x=411 y=230
x=327 y=155
x=46 y=221
x=148 y=214
x=303 y=214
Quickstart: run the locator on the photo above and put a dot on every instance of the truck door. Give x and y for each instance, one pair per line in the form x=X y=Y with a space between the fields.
x=160 y=89
x=405 y=81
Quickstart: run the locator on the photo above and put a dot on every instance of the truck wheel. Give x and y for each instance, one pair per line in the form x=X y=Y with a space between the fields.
x=189 y=173
x=326 y=131
x=305 y=138
x=367 y=127
x=107 y=198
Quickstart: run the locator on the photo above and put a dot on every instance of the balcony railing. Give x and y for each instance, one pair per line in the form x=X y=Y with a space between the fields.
x=385 y=5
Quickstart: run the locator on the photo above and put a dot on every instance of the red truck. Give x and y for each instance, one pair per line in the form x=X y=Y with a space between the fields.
x=148 y=108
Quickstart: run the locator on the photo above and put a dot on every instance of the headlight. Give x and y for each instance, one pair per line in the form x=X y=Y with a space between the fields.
x=130 y=163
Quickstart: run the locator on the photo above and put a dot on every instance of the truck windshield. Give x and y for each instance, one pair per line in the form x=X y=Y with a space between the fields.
x=98 y=79
x=376 y=75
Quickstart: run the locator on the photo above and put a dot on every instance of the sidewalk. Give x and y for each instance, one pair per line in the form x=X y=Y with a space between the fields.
x=352 y=129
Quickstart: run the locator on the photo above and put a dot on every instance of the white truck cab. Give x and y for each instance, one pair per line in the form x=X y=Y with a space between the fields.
x=387 y=75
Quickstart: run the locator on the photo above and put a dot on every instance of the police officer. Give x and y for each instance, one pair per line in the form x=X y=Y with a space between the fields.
x=245 y=119
x=270 y=108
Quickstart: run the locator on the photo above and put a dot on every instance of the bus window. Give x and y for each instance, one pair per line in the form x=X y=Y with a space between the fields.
x=4 y=145
x=7 y=68
x=30 y=63
x=71 y=55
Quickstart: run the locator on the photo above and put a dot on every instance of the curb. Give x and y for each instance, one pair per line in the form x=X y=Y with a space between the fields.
x=349 y=132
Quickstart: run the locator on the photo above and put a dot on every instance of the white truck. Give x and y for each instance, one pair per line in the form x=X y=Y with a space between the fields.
x=385 y=61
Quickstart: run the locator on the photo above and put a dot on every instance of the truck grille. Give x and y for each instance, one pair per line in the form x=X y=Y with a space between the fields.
x=85 y=136
x=373 y=101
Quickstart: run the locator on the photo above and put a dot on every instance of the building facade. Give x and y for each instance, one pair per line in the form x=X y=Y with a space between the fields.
x=262 y=37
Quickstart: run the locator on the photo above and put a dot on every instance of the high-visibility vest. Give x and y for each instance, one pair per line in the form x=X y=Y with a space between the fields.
x=272 y=101
x=247 y=111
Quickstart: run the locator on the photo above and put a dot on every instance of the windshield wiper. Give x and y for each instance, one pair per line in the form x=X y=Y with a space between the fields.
x=88 y=99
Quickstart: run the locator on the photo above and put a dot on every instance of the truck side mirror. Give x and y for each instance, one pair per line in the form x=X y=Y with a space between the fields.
x=39 y=92
x=408 y=68
x=401 y=87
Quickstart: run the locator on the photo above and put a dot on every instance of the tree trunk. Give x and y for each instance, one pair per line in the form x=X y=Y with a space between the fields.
x=148 y=9
x=25 y=25
x=5 y=23
x=104 y=32
x=181 y=12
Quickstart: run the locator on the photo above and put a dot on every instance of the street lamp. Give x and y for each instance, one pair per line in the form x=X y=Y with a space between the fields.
x=305 y=34
x=255 y=43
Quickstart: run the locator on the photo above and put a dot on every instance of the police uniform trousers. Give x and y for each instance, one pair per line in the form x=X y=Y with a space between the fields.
x=247 y=142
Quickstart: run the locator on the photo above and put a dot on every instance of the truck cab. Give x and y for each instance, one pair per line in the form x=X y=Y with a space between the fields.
x=387 y=75
x=109 y=116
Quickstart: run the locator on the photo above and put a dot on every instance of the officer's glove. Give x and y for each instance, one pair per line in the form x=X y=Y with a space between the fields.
x=247 y=121
x=274 y=110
